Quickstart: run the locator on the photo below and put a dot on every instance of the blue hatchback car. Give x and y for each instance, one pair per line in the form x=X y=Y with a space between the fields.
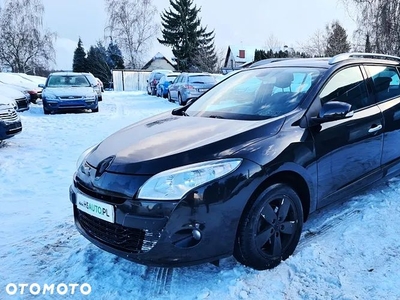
x=165 y=81
x=68 y=90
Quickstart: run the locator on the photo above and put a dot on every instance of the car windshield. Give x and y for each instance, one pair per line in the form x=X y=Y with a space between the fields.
x=67 y=80
x=256 y=94
x=201 y=79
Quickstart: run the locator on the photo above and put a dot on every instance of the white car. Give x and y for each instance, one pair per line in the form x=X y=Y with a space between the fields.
x=10 y=122
x=22 y=100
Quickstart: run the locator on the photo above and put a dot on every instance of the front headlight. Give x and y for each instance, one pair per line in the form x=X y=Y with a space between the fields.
x=84 y=155
x=13 y=104
x=50 y=97
x=173 y=184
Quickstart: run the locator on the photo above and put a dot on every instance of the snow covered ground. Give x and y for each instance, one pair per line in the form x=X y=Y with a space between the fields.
x=350 y=250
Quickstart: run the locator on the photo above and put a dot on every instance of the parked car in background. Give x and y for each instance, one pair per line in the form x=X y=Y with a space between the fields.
x=95 y=84
x=15 y=79
x=190 y=86
x=22 y=99
x=238 y=171
x=68 y=90
x=153 y=80
x=10 y=122
x=164 y=83
x=100 y=83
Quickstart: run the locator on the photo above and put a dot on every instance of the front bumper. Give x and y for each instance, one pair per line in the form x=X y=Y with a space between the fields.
x=55 y=105
x=9 y=129
x=199 y=228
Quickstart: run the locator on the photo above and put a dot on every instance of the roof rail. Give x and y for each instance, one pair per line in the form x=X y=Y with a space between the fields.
x=344 y=56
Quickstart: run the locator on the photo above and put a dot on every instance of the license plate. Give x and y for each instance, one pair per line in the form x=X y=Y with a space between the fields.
x=95 y=208
x=203 y=90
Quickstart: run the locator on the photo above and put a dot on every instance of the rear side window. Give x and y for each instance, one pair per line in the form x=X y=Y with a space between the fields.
x=201 y=79
x=348 y=86
x=386 y=82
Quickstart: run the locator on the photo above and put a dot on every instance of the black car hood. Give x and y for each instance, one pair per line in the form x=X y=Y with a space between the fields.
x=166 y=141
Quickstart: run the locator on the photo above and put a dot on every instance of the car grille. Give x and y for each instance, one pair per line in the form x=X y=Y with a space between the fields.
x=8 y=115
x=115 y=235
x=90 y=192
x=70 y=97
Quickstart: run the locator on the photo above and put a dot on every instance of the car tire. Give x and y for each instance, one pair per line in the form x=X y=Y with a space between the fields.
x=270 y=228
x=95 y=110
x=153 y=92
x=45 y=111
x=100 y=98
x=180 y=101
x=169 y=97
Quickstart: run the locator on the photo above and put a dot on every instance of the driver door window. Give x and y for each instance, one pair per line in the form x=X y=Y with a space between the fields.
x=348 y=86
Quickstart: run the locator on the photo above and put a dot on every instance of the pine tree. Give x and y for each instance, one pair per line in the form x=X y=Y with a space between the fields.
x=368 y=47
x=79 y=62
x=260 y=55
x=337 y=40
x=182 y=31
x=97 y=62
x=115 y=60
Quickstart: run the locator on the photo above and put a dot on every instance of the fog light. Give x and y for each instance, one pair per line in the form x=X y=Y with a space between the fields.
x=196 y=234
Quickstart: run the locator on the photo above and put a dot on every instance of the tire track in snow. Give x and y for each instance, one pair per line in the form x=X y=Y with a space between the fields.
x=157 y=282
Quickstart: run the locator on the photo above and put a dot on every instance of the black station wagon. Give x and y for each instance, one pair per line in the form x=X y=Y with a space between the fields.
x=239 y=170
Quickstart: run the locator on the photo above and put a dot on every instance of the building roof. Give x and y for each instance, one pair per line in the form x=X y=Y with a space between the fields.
x=156 y=57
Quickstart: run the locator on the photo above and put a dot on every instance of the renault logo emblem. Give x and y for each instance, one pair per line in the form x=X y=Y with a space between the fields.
x=103 y=165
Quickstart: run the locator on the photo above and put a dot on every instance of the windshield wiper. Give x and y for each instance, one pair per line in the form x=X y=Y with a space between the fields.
x=216 y=117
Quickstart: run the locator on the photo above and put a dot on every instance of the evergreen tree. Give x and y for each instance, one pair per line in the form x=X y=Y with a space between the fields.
x=368 y=47
x=205 y=58
x=115 y=60
x=97 y=62
x=336 y=40
x=79 y=62
x=260 y=55
x=183 y=32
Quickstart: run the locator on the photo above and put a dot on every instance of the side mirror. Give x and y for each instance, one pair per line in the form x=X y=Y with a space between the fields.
x=41 y=85
x=333 y=111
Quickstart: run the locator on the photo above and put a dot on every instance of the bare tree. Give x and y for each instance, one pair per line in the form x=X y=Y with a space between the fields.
x=131 y=25
x=316 y=44
x=273 y=43
x=24 y=45
x=221 y=54
x=380 y=21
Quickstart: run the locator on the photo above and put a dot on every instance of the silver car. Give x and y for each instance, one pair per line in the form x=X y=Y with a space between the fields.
x=96 y=85
x=190 y=86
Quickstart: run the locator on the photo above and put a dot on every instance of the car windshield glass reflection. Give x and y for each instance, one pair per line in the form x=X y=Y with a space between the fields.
x=256 y=94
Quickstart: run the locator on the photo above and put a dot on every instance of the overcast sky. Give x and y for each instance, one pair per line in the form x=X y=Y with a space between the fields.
x=246 y=22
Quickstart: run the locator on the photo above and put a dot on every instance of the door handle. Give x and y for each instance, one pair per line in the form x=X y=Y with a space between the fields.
x=375 y=128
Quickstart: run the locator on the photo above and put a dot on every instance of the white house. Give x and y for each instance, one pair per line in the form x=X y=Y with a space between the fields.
x=159 y=61
x=236 y=56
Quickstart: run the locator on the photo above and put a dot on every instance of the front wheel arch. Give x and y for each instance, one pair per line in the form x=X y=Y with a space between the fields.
x=270 y=227
x=292 y=179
